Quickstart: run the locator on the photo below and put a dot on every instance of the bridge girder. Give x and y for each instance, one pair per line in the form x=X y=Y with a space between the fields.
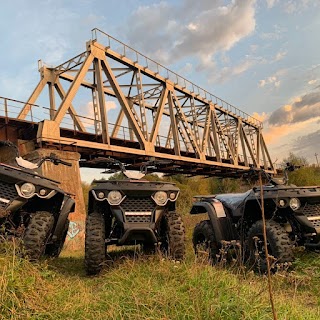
x=163 y=116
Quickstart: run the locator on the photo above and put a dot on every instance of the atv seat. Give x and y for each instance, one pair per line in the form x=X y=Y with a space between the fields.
x=234 y=202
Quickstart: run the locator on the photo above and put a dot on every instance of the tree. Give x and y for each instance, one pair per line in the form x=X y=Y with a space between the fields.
x=295 y=160
x=306 y=175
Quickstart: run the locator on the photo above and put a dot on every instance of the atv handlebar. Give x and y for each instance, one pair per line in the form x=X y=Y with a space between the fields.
x=55 y=160
x=65 y=163
x=253 y=172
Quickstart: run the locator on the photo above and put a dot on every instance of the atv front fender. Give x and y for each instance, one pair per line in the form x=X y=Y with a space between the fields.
x=68 y=206
x=217 y=223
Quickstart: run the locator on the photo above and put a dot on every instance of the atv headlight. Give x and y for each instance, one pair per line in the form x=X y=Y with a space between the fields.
x=27 y=190
x=161 y=198
x=173 y=196
x=100 y=195
x=42 y=192
x=294 y=204
x=282 y=203
x=114 y=197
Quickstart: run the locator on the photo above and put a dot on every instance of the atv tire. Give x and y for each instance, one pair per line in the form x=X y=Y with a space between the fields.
x=172 y=233
x=37 y=234
x=279 y=246
x=204 y=241
x=54 y=249
x=95 y=248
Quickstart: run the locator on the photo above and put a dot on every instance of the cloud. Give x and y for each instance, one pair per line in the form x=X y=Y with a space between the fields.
x=302 y=109
x=280 y=55
x=274 y=80
x=289 y=122
x=204 y=28
x=312 y=81
x=110 y=105
x=275 y=133
x=229 y=72
x=307 y=142
x=260 y=116
x=270 y=81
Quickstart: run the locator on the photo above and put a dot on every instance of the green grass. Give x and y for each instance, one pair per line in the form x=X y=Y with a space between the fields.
x=134 y=286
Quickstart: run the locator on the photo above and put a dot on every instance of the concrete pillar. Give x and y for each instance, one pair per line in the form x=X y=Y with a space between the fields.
x=70 y=181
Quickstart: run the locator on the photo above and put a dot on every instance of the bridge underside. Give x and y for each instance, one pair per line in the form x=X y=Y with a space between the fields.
x=23 y=132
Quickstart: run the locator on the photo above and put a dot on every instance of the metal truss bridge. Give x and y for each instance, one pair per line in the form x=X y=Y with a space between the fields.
x=112 y=100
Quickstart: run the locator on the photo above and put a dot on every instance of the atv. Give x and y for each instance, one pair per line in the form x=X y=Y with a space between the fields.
x=131 y=212
x=32 y=207
x=292 y=218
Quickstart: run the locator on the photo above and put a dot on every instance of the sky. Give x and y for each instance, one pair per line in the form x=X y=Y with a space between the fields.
x=261 y=56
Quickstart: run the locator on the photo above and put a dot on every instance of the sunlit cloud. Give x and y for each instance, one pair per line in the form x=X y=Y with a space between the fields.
x=278 y=133
x=270 y=81
x=295 y=123
x=311 y=82
x=303 y=108
x=202 y=31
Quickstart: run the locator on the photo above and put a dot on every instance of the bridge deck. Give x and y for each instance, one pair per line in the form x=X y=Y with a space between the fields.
x=83 y=142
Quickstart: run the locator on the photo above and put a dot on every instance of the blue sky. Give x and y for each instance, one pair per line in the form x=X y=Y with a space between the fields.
x=262 y=56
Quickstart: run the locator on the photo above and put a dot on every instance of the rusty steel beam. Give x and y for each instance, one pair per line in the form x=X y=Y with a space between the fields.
x=166 y=115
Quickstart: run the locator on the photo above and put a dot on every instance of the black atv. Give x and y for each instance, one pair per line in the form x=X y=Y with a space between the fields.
x=130 y=212
x=32 y=207
x=292 y=218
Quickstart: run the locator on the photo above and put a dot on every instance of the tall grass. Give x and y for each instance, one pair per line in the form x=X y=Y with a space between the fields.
x=135 y=286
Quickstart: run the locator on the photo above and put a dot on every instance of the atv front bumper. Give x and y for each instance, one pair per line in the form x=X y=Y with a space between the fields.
x=135 y=233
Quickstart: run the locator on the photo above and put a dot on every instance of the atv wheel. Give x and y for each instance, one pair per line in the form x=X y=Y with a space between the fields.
x=172 y=234
x=54 y=249
x=279 y=245
x=204 y=241
x=95 y=248
x=37 y=234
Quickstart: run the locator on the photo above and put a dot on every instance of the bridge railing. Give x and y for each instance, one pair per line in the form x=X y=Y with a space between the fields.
x=10 y=108
x=137 y=57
